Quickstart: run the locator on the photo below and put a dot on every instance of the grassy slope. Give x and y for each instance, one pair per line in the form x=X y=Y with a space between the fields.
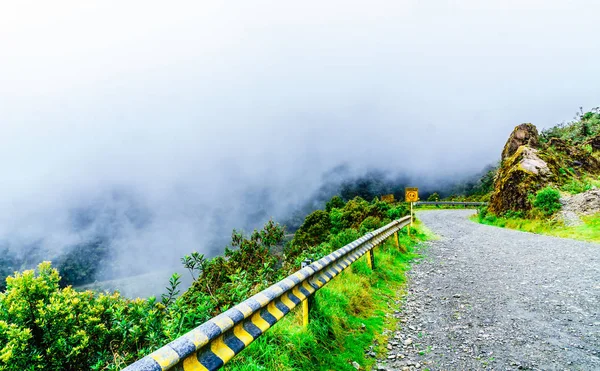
x=588 y=231
x=349 y=314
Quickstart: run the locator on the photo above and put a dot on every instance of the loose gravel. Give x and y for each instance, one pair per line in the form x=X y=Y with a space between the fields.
x=490 y=298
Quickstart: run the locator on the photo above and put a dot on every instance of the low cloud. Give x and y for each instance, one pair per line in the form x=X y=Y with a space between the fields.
x=164 y=127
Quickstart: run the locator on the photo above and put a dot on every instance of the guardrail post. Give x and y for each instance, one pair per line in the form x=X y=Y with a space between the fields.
x=306 y=302
x=397 y=242
x=369 y=256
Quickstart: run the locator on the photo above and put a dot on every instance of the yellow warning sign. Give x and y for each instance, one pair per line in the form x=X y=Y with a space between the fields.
x=411 y=194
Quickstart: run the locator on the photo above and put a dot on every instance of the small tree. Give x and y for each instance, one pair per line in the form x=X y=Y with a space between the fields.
x=548 y=201
x=336 y=202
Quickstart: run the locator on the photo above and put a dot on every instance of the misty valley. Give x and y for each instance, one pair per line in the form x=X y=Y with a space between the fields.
x=102 y=228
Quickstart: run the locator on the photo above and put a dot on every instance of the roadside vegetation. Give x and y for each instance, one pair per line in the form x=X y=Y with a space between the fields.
x=589 y=230
x=541 y=219
x=348 y=315
x=45 y=326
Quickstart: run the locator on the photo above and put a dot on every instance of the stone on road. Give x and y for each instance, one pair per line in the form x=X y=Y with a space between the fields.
x=484 y=297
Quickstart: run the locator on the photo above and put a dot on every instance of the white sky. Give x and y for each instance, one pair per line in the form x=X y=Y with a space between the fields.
x=191 y=102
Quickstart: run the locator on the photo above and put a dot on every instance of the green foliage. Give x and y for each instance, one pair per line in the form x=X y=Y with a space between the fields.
x=397 y=212
x=548 y=201
x=588 y=231
x=348 y=315
x=370 y=224
x=248 y=269
x=482 y=212
x=314 y=230
x=355 y=211
x=336 y=202
x=172 y=290
x=575 y=186
x=584 y=126
x=335 y=217
x=195 y=262
x=433 y=197
x=512 y=214
x=45 y=327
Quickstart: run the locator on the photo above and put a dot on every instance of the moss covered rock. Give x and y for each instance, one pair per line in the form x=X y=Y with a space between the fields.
x=524 y=134
x=571 y=156
x=527 y=166
x=521 y=174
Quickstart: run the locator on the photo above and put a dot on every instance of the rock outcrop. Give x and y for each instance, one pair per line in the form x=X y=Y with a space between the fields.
x=522 y=173
x=586 y=203
x=575 y=157
x=523 y=135
x=528 y=166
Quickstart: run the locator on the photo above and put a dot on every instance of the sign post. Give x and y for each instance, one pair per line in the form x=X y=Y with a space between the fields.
x=411 y=195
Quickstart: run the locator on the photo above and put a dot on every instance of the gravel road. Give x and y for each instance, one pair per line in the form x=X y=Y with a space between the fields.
x=490 y=298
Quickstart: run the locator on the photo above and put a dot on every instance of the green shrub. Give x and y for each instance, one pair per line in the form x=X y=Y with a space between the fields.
x=548 y=201
x=397 y=212
x=314 y=230
x=355 y=211
x=370 y=223
x=482 y=212
x=433 y=197
x=336 y=202
x=45 y=327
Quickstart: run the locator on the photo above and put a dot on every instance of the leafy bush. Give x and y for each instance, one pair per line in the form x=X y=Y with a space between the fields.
x=355 y=211
x=482 y=212
x=433 y=197
x=45 y=327
x=336 y=202
x=226 y=279
x=314 y=230
x=370 y=223
x=397 y=212
x=548 y=201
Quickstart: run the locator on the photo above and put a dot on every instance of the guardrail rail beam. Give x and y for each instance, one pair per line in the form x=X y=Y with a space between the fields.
x=215 y=342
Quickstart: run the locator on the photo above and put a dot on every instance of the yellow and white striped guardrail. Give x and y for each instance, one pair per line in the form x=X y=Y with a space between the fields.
x=212 y=344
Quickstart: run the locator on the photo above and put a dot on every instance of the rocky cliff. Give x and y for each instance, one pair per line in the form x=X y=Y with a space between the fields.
x=529 y=165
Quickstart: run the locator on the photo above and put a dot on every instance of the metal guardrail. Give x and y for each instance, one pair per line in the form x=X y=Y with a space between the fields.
x=450 y=203
x=215 y=342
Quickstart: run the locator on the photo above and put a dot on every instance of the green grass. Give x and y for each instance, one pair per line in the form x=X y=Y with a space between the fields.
x=588 y=231
x=575 y=186
x=348 y=315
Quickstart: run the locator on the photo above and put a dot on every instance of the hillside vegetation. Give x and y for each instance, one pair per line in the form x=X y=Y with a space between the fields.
x=48 y=327
x=539 y=172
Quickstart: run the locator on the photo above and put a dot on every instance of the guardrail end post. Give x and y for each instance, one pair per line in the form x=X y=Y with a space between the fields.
x=396 y=239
